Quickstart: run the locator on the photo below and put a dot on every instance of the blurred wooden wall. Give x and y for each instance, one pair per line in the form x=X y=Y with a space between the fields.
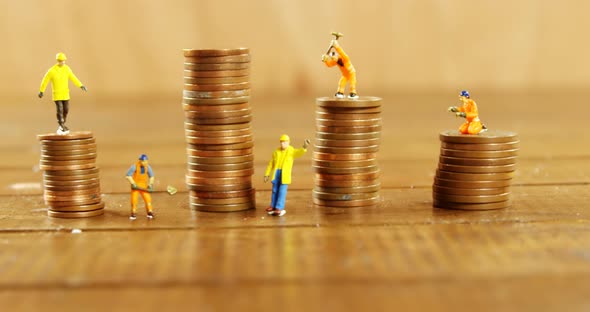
x=132 y=48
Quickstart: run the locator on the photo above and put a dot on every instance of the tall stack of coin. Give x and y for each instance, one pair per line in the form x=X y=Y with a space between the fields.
x=475 y=171
x=217 y=126
x=70 y=176
x=344 y=159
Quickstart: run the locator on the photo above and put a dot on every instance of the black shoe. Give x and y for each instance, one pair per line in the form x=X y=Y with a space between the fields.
x=339 y=95
x=353 y=95
x=150 y=215
x=65 y=128
x=132 y=217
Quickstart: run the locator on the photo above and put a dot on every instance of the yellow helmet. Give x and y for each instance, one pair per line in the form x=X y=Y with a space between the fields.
x=60 y=56
x=284 y=137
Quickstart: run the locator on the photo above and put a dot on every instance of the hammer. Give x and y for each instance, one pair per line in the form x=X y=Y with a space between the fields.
x=337 y=36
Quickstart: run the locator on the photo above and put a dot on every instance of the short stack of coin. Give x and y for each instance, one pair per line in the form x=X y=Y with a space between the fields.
x=345 y=150
x=70 y=176
x=475 y=171
x=217 y=126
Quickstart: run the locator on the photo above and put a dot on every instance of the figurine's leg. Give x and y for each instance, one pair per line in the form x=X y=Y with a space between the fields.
x=475 y=127
x=353 y=84
x=464 y=128
x=282 y=196
x=275 y=191
x=66 y=109
x=60 y=112
x=147 y=199
x=341 y=86
x=134 y=198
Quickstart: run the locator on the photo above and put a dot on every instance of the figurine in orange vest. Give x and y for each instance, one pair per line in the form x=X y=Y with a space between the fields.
x=468 y=111
x=340 y=58
x=141 y=178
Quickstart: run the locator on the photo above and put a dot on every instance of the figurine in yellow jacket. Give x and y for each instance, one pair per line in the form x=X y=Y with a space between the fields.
x=280 y=167
x=341 y=59
x=59 y=75
x=468 y=111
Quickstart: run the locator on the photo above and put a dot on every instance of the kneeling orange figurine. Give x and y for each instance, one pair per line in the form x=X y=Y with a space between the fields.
x=340 y=58
x=468 y=111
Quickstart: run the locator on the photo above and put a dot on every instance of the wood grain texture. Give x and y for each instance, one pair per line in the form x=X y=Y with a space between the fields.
x=402 y=255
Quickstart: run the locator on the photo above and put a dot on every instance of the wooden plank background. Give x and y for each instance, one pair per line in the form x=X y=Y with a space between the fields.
x=403 y=255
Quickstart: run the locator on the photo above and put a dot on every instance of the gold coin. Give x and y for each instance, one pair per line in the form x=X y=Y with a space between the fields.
x=218 y=181
x=223 y=208
x=322 y=115
x=347 y=143
x=371 y=188
x=481 y=147
x=344 y=197
x=489 y=136
x=50 y=187
x=469 y=191
x=214 y=52
x=217 y=87
x=215 y=94
x=221 y=174
x=52 y=143
x=344 y=164
x=462 y=206
x=348 y=110
x=217 y=73
x=219 y=140
x=223 y=120
x=345 y=184
x=348 y=136
x=239 y=58
x=344 y=157
x=363 y=101
x=219 y=188
x=225 y=194
x=345 y=171
x=474 y=176
x=220 y=160
x=215 y=108
x=349 y=177
x=358 y=129
x=188 y=125
x=215 y=80
x=220 y=167
x=346 y=203
x=478 y=154
x=57 y=149
x=472 y=184
x=223 y=153
x=223 y=201
x=477 y=161
x=347 y=123
x=57 y=205
x=50 y=158
x=80 y=208
x=78 y=214
x=473 y=199
x=218 y=101
x=216 y=66
x=221 y=147
x=347 y=150
x=477 y=169
x=218 y=133
x=75 y=135
x=67 y=167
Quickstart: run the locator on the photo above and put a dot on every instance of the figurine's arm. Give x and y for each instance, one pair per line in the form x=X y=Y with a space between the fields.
x=343 y=54
x=298 y=152
x=329 y=61
x=269 y=168
x=152 y=178
x=129 y=176
x=76 y=81
x=44 y=82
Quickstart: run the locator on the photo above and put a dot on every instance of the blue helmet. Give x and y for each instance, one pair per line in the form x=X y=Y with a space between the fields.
x=143 y=157
x=465 y=93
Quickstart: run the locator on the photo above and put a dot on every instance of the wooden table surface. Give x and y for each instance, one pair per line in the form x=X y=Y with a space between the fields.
x=403 y=255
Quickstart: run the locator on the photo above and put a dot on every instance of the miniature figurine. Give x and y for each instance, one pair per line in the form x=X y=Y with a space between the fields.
x=340 y=58
x=468 y=111
x=141 y=178
x=59 y=74
x=280 y=166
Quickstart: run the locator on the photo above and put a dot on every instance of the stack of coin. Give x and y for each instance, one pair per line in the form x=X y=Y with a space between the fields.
x=217 y=126
x=475 y=171
x=344 y=159
x=70 y=176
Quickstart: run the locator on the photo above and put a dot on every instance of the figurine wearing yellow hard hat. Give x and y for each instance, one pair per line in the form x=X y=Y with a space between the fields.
x=280 y=167
x=59 y=75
